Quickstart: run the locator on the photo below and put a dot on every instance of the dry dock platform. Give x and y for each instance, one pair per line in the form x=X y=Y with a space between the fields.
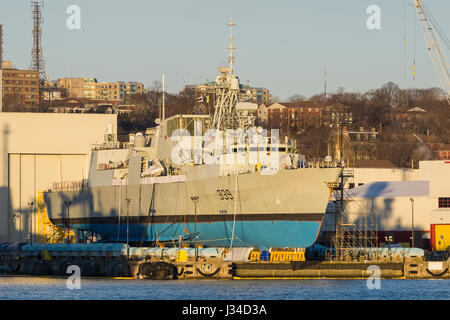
x=119 y=261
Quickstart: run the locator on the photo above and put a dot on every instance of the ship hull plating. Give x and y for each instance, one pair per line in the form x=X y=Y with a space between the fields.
x=262 y=234
x=282 y=210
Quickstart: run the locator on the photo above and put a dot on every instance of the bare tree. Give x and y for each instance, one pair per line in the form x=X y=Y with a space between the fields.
x=297 y=97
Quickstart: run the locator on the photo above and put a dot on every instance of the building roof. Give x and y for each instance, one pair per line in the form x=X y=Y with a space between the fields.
x=6 y=64
x=379 y=164
x=416 y=109
x=303 y=104
x=441 y=147
x=72 y=101
x=429 y=138
x=390 y=189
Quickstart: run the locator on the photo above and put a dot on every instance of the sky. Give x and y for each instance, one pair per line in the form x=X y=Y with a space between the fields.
x=282 y=45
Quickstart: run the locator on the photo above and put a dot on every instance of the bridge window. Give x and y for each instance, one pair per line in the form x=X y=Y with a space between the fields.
x=444 y=202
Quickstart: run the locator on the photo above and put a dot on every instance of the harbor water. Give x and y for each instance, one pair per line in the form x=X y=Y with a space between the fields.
x=37 y=288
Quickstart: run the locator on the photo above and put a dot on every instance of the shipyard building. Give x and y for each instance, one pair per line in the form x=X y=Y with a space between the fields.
x=38 y=149
x=398 y=202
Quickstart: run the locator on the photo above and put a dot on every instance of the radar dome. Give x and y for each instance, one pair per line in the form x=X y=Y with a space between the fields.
x=139 y=140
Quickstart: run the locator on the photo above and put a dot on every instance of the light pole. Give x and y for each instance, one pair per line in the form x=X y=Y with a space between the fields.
x=30 y=219
x=19 y=217
x=389 y=241
x=68 y=203
x=128 y=228
x=195 y=200
x=339 y=119
x=412 y=222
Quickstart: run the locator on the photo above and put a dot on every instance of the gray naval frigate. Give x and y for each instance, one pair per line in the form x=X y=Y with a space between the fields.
x=180 y=183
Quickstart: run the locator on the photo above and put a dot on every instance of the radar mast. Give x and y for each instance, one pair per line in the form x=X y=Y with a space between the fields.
x=227 y=91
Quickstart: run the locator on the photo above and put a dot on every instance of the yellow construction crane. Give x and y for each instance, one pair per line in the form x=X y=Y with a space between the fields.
x=47 y=231
x=430 y=31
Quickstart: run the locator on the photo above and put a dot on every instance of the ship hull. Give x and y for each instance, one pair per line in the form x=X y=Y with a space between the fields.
x=261 y=234
x=248 y=210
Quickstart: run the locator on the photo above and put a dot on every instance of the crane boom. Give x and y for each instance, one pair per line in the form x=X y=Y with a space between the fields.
x=434 y=47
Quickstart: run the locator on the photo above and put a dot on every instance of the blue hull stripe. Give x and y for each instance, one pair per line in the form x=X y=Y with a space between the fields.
x=261 y=234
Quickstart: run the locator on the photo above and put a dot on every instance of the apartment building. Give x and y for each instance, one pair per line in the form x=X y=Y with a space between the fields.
x=74 y=86
x=90 y=88
x=20 y=86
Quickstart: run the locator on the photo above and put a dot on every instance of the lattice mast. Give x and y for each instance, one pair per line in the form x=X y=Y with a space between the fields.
x=231 y=47
x=434 y=47
x=227 y=93
x=1 y=46
x=37 y=53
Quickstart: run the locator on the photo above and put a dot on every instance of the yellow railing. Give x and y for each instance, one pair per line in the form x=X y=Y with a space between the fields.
x=280 y=256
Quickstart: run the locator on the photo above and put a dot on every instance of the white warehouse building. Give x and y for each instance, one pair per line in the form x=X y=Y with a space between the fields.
x=406 y=201
x=38 y=149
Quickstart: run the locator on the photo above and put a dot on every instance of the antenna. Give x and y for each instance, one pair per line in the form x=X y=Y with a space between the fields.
x=37 y=59
x=325 y=85
x=227 y=94
x=414 y=47
x=231 y=47
x=1 y=46
x=405 y=20
x=163 y=99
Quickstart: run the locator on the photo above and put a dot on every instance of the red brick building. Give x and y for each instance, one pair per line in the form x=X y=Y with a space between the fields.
x=297 y=115
x=441 y=151
x=20 y=85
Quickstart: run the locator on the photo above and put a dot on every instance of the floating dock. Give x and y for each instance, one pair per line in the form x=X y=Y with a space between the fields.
x=118 y=260
x=113 y=260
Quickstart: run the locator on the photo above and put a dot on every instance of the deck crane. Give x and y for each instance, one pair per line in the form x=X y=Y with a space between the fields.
x=434 y=47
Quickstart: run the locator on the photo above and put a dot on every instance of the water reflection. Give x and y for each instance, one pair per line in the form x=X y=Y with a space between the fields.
x=102 y=289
